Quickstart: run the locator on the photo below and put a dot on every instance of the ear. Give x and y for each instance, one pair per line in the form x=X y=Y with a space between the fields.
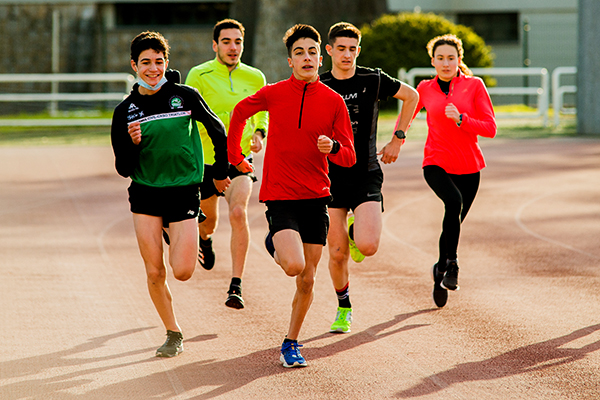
x=328 y=49
x=432 y=62
x=358 y=51
x=133 y=66
x=320 y=61
x=290 y=62
x=215 y=46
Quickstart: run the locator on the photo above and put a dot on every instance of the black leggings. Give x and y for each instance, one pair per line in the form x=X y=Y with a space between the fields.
x=457 y=192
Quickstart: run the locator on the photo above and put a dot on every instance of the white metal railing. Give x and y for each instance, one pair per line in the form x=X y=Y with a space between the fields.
x=559 y=91
x=541 y=92
x=127 y=79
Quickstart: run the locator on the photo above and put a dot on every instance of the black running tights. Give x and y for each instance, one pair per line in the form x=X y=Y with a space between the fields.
x=457 y=192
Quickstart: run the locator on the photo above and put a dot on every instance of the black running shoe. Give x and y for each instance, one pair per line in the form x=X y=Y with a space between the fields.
x=269 y=244
x=173 y=345
x=234 y=300
x=450 y=280
x=206 y=254
x=440 y=295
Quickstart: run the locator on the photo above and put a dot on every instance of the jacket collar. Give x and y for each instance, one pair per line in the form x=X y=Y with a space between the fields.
x=299 y=86
x=222 y=68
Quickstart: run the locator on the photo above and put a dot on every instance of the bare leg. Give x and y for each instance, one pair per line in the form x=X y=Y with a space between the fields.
x=367 y=227
x=237 y=196
x=148 y=233
x=304 y=289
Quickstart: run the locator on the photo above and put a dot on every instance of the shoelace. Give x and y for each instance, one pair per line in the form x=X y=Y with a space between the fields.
x=293 y=348
x=173 y=339
x=343 y=314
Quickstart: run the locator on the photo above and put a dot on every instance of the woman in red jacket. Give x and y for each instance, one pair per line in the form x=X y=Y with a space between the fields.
x=458 y=110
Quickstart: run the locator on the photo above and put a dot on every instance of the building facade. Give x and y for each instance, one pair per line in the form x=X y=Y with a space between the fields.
x=94 y=35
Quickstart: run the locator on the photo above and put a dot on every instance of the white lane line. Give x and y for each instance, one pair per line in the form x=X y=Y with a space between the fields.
x=521 y=225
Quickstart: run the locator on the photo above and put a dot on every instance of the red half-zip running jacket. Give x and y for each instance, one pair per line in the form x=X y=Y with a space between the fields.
x=449 y=146
x=299 y=112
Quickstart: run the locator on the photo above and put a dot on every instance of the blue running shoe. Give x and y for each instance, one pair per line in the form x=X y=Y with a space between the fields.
x=269 y=244
x=290 y=355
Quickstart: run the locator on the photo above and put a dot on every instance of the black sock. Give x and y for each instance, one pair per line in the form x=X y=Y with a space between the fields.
x=236 y=281
x=286 y=340
x=206 y=243
x=344 y=296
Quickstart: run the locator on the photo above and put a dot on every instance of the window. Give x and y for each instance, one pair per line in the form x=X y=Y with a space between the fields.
x=171 y=14
x=493 y=28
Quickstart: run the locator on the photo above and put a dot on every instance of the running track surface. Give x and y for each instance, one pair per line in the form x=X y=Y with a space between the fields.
x=77 y=321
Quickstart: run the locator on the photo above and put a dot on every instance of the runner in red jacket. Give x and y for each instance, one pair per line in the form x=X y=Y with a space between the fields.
x=308 y=124
x=458 y=110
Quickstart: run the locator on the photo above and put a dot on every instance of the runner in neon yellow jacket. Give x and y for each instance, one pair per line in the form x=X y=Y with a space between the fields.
x=223 y=82
x=222 y=90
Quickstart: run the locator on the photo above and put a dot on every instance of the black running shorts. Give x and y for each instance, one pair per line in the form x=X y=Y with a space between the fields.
x=307 y=217
x=350 y=193
x=173 y=204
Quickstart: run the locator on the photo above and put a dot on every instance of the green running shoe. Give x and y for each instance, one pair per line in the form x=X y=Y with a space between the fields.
x=343 y=320
x=355 y=253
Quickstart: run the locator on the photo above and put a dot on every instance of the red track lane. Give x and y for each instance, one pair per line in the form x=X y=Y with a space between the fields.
x=77 y=321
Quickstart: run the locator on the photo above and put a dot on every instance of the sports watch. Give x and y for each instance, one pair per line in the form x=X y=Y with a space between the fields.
x=400 y=134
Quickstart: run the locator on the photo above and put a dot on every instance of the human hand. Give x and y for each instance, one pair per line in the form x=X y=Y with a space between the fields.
x=452 y=112
x=256 y=145
x=389 y=153
x=222 y=185
x=135 y=132
x=245 y=167
x=325 y=144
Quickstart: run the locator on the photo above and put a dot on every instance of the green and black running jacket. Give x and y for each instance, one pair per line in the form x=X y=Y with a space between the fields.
x=170 y=153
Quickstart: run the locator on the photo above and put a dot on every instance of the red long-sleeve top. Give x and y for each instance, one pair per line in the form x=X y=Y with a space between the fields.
x=449 y=146
x=299 y=112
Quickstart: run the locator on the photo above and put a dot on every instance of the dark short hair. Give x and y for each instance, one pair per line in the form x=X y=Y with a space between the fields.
x=300 y=31
x=149 y=40
x=226 y=24
x=343 y=29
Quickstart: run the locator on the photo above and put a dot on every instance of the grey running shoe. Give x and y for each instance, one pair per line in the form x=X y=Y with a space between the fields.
x=172 y=347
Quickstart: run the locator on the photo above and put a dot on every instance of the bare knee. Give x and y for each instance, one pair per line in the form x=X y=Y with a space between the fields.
x=306 y=284
x=292 y=268
x=183 y=274
x=337 y=257
x=209 y=226
x=156 y=275
x=237 y=215
x=369 y=248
